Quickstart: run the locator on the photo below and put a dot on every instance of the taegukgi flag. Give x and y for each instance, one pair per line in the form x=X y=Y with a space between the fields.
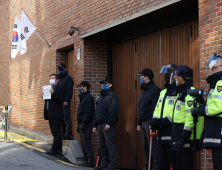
x=16 y=39
x=27 y=28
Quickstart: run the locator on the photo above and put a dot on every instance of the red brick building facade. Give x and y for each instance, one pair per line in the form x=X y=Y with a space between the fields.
x=107 y=27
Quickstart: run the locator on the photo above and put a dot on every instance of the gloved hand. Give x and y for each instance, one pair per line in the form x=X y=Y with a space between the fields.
x=77 y=129
x=155 y=124
x=195 y=111
x=165 y=122
x=198 y=111
x=200 y=100
x=82 y=127
x=179 y=145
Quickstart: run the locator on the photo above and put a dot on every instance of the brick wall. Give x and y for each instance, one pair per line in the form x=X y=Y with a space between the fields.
x=210 y=30
x=95 y=68
x=21 y=79
x=24 y=76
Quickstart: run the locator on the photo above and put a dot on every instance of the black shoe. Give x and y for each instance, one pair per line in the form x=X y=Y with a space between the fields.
x=109 y=168
x=83 y=164
x=91 y=165
x=66 y=138
x=101 y=167
x=51 y=152
x=59 y=152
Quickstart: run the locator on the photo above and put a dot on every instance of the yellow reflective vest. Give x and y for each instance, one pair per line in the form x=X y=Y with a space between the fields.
x=164 y=108
x=183 y=120
x=212 y=134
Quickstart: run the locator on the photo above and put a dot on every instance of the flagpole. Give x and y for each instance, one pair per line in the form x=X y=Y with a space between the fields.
x=49 y=44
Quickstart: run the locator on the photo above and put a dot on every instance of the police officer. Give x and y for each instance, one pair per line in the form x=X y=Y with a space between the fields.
x=106 y=117
x=66 y=88
x=212 y=111
x=85 y=117
x=164 y=107
x=182 y=120
x=147 y=103
x=53 y=113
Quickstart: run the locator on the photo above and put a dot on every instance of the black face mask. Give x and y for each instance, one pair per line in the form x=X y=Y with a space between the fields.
x=167 y=77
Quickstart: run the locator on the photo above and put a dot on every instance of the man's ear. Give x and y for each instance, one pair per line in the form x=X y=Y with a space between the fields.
x=110 y=85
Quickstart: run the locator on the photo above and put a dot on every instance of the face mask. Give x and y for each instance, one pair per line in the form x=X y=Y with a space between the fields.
x=167 y=77
x=105 y=87
x=61 y=71
x=52 y=81
x=177 y=83
x=142 y=80
x=81 y=90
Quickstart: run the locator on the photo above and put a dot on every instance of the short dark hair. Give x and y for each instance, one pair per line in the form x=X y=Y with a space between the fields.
x=56 y=76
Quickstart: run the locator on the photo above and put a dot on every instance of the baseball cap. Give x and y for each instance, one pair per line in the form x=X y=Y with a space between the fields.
x=146 y=72
x=185 y=72
x=106 y=80
x=84 y=83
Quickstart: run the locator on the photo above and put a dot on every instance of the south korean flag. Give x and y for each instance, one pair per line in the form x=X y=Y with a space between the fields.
x=27 y=28
x=15 y=39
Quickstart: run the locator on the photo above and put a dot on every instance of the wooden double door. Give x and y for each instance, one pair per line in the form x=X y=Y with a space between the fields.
x=171 y=45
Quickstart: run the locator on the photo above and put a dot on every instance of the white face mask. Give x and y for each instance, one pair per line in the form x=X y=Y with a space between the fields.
x=52 y=81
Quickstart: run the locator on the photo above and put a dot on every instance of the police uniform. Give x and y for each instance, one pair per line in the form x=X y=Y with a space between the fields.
x=182 y=122
x=212 y=111
x=212 y=133
x=164 y=108
x=107 y=110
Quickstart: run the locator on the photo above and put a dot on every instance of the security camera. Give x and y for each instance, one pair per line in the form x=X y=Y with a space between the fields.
x=71 y=31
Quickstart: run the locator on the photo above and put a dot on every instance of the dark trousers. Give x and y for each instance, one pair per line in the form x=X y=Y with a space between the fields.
x=184 y=160
x=217 y=158
x=107 y=146
x=87 y=144
x=66 y=126
x=167 y=157
x=57 y=138
x=145 y=134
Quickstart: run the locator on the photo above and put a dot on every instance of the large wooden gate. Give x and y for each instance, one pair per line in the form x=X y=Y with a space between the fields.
x=179 y=45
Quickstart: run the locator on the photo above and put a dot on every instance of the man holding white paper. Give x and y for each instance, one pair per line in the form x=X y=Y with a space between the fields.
x=54 y=113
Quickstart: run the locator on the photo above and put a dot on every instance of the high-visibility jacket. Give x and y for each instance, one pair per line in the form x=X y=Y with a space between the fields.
x=182 y=122
x=212 y=134
x=164 y=108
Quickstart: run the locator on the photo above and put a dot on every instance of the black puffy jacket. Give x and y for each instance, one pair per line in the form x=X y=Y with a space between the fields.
x=148 y=101
x=66 y=86
x=86 y=108
x=107 y=108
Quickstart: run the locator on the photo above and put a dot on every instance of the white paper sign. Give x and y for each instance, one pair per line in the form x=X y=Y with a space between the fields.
x=46 y=93
x=9 y=110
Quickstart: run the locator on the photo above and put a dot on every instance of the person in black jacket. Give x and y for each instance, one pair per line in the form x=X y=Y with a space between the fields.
x=85 y=116
x=66 y=88
x=147 y=104
x=53 y=113
x=106 y=117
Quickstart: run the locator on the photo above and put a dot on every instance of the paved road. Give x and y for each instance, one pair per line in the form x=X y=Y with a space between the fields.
x=14 y=156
